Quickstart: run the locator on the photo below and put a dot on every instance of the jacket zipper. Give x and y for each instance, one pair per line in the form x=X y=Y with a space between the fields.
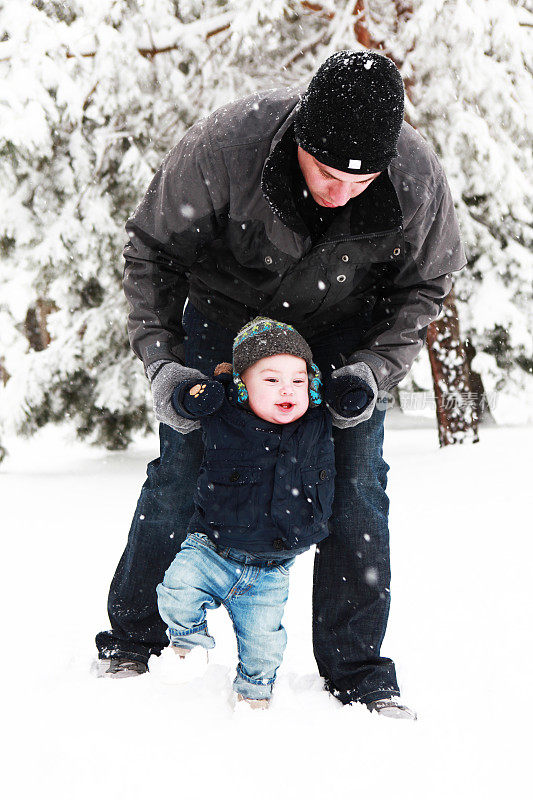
x=356 y=237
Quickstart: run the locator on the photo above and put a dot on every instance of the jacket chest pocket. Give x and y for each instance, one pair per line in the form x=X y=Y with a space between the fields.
x=302 y=291
x=318 y=486
x=316 y=283
x=227 y=494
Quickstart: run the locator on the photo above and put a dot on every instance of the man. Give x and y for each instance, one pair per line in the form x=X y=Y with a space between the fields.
x=326 y=211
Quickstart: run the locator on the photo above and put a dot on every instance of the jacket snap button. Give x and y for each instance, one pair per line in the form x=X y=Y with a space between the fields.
x=278 y=544
x=323 y=474
x=341 y=278
x=345 y=258
x=268 y=259
x=396 y=251
x=234 y=476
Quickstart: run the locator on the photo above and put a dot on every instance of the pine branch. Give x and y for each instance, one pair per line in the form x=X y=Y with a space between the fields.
x=151 y=52
x=211 y=27
x=304 y=48
x=319 y=9
x=218 y=24
x=350 y=10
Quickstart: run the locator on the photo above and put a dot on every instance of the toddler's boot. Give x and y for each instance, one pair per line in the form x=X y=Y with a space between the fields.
x=264 y=703
x=180 y=651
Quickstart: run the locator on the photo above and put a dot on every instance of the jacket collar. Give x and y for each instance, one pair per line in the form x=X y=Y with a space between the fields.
x=277 y=174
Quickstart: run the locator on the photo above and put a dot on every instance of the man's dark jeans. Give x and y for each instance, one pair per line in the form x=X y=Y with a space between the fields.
x=351 y=579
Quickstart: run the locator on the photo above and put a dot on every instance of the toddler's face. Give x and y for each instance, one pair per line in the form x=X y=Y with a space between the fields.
x=278 y=389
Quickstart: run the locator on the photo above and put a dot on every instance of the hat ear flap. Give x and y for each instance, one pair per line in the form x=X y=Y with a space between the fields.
x=315 y=386
x=242 y=391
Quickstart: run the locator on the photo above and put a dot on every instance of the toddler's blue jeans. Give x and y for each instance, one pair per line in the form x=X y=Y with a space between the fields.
x=253 y=589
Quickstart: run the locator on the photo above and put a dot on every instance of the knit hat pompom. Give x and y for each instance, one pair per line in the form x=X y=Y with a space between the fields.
x=351 y=114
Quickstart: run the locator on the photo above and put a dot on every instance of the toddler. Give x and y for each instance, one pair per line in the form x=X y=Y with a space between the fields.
x=264 y=495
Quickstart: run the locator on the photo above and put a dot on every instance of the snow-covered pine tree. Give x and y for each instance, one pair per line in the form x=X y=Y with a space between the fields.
x=95 y=93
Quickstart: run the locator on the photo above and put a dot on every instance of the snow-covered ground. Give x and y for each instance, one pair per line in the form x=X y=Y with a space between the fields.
x=460 y=633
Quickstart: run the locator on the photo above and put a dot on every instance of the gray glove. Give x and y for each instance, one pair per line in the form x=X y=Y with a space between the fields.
x=360 y=373
x=164 y=377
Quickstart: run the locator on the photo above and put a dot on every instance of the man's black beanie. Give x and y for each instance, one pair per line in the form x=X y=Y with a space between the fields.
x=351 y=114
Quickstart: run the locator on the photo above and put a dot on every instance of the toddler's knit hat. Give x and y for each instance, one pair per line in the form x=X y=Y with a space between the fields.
x=264 y=337
x=350 y=116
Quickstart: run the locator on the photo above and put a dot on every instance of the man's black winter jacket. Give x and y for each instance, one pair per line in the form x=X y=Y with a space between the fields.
x=219 y=223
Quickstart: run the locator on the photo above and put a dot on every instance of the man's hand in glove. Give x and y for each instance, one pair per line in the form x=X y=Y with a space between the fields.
x=351 y=395
x=165 y=376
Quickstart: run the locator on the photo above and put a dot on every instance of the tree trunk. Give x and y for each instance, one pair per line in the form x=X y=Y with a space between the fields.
x=457 y=416
x=481 y=403
x=35 y=324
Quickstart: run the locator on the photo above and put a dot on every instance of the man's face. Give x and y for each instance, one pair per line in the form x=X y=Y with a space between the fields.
x=330 y=187
x=278 y=388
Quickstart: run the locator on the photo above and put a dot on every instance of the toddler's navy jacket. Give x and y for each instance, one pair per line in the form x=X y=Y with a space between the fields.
x=264 y=487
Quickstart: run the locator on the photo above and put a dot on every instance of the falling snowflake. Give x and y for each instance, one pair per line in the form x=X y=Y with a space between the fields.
x=371 y=576
x=187 y=211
